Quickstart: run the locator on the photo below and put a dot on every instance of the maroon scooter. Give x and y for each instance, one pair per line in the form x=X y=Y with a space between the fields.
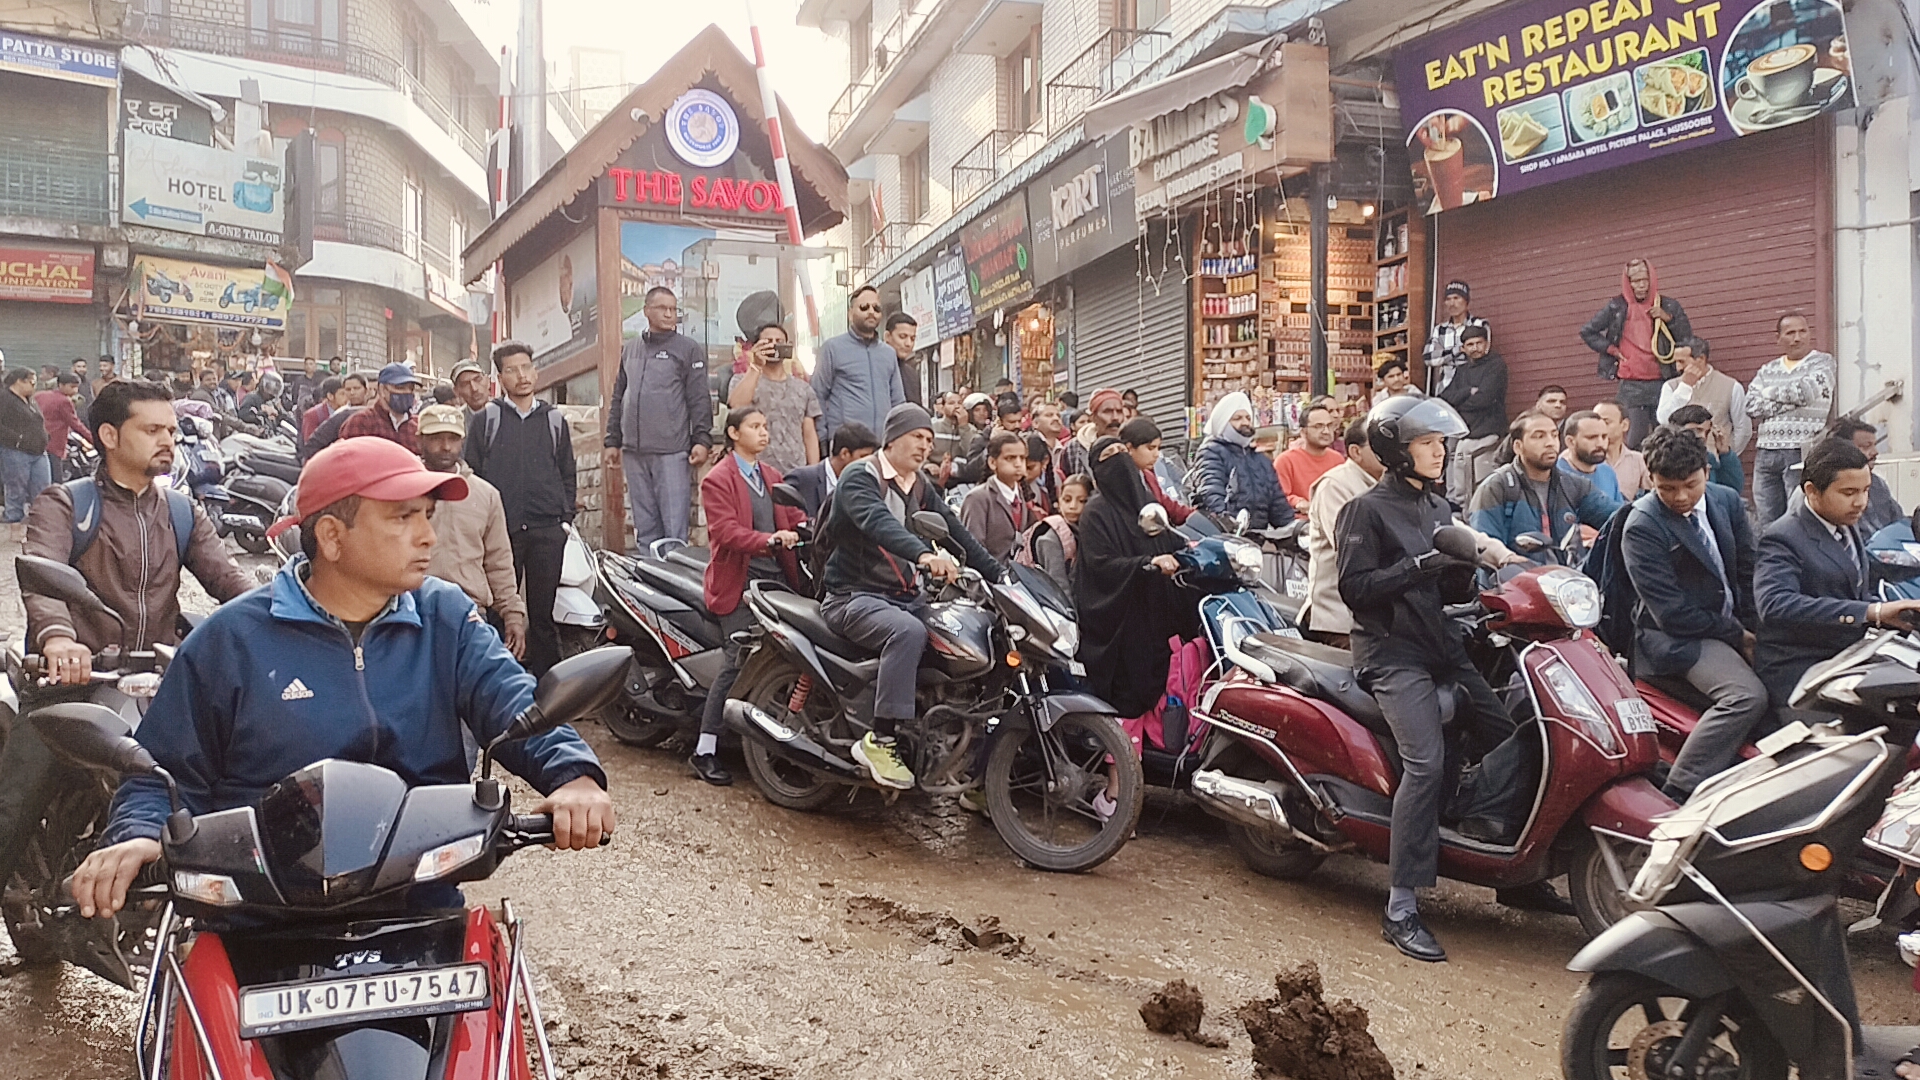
x=1311 y=770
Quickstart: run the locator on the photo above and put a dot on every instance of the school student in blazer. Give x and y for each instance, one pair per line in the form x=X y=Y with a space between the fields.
x=751 y=539
x=851 y=442
x=1689 y=553
x=1813 y=582
x=996 y=512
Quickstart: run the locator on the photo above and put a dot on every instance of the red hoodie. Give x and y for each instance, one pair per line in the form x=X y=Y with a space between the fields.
x=1636 y=334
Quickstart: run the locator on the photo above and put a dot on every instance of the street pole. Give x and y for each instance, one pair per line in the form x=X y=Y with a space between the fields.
x=776 y=135
x=1317 y=337
x=531 y=100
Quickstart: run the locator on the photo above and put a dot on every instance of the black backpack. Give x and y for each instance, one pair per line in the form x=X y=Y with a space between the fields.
x=1607 y=565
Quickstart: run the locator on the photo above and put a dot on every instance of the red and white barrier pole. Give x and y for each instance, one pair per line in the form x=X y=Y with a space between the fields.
x=770 y=105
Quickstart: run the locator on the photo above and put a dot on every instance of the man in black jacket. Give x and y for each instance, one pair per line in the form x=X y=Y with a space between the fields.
x=1478 y=392
x=1634 y=333
x=660 y=422
x=24 y=467
x=524 y=448
x=871 y=583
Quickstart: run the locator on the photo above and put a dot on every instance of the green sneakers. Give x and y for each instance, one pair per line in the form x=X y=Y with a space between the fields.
x=882 y=759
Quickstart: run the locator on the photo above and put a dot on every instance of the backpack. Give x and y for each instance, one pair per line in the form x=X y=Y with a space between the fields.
x=1023 y=545
x=85 y=493
x=1607 y=565
x=490 y=429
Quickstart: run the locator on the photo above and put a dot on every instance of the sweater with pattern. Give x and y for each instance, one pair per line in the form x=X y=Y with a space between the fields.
x=1792 y=407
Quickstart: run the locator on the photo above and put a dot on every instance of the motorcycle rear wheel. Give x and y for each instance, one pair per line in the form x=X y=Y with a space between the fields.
x=1602 y=1040
x=782 y=782
x=634 y=728
x=1040 y=787
x=1596 y=899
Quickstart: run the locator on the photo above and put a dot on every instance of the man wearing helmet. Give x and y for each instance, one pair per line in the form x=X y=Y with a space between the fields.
x=1405 y=649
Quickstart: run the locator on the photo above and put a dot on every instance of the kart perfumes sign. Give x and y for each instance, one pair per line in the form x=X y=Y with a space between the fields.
x=204 y=190
x=1551 y=90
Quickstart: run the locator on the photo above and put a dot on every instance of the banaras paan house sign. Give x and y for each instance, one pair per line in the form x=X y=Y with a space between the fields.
x=1547 y=91
x=689 y=164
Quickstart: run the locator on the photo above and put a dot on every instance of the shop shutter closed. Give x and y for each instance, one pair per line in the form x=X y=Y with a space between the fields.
x=57 y=334
x=1129 y=332
x=1734 y=232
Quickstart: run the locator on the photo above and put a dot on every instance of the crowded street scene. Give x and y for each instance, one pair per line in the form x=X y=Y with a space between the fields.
x=1327 y=540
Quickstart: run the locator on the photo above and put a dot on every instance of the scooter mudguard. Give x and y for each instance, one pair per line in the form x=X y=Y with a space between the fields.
x=1654 y=944
x=1627 y=806
x=1056 y=706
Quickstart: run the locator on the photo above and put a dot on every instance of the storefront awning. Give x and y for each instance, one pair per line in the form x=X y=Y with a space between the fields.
x=1179 y=90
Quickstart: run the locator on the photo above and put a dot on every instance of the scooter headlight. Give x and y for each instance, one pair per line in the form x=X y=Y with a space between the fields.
x=1579 y=704
x=1574 y=596
x=1244 y=556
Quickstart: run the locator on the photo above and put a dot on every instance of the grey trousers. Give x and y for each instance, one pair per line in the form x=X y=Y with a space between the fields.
x=1408 y=698
x=1639 y=399
x=659 y=491
x=1739 y=704
x=897 y=630
x=1770 y=484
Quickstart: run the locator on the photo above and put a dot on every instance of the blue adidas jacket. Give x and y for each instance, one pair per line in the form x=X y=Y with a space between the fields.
x=271 y=683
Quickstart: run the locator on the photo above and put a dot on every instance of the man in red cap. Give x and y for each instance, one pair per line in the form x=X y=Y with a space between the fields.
x=289 y=674
x=1106 y=411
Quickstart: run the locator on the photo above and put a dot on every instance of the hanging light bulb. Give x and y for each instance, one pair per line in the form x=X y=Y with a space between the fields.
x=255 y=339
x=1366 y=210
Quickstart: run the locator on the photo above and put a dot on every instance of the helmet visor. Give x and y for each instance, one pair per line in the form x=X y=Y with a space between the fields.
x=1431 y=417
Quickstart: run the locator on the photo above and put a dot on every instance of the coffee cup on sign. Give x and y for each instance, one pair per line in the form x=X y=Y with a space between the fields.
x=1781 y=78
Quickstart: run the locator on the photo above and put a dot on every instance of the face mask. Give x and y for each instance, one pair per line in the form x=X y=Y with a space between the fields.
x=400 y=403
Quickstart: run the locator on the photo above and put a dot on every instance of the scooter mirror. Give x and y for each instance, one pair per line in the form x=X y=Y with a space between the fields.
x=1240 y=522
x=573 y=689
x=45 y=577
x=92 y=736
x=1529 y=542
x=784 y=494
x=1457 y=541
x=928 y=525
x=1154 y=520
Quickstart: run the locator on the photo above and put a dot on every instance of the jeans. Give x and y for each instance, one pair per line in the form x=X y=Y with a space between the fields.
x=1770 y=483
x=659 y=490
x=1638 y=400
x=29 y=777
x=1739 y=704
x=1408 y=696
x=25 y=475
x=897 y=630
x=713 y=719
x=538 y=552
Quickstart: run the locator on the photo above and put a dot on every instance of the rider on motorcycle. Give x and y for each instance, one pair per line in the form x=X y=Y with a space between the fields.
x=287 y=675
x=1405 y=648
x=872 y=592
x=130 y=558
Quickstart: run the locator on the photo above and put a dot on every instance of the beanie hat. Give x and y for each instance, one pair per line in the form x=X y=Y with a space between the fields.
x=904 y=419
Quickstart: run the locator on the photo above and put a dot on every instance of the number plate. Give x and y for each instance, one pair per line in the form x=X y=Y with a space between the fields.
x=298 y=1006
x=1634 y=716
x=1076 y=668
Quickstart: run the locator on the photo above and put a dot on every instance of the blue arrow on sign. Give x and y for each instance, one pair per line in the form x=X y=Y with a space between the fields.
x=165 y=213
x=139 y=208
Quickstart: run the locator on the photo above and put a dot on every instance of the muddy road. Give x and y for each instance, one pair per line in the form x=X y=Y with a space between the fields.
x=722 y=937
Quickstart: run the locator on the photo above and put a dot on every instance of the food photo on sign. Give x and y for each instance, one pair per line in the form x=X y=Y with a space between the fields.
x=1452 y=161
x=1786 y=62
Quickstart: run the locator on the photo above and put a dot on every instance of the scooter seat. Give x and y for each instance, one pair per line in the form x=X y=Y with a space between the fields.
x=1318 y=671
x=676 y=581
x=693 y=558
x=280 y=468
x=804 y=615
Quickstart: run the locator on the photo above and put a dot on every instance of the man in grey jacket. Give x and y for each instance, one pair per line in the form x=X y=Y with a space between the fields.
x=858 y=374
x=660 y=423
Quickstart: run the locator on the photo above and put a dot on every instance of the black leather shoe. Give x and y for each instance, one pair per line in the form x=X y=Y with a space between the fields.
x=1412 y=937
x=1485 y=830
x=707 y=767
x=1538 y=896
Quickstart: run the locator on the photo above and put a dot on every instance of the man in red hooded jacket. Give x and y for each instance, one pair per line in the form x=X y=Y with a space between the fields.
x=1634 y=334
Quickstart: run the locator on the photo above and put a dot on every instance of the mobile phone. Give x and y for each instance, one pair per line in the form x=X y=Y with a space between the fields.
x=783 y=350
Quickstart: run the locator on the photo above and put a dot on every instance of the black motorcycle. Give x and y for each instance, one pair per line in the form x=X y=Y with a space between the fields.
x=1739 y=968
x=998 y=667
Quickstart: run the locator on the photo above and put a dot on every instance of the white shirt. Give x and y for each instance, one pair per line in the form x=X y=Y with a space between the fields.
x=1011 y=495
x=1675 y=394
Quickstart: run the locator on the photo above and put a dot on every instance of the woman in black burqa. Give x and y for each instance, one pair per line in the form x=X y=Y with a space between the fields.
x=1123 y=588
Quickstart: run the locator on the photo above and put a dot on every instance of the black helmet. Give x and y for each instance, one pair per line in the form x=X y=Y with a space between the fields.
x=1399 y=420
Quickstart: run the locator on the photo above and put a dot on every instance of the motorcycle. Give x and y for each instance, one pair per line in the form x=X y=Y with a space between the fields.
x=82 y=458
x=1738 y=966
x=286 y=946
x=998 y=667
x=1305 y=767
x=261 y=474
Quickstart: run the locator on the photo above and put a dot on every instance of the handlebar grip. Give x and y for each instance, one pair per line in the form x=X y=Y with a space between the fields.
x=154 y=873
x=538 y=828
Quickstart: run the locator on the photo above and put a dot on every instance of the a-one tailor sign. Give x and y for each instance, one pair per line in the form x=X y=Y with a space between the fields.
x=643 y=187
x=1550 y=90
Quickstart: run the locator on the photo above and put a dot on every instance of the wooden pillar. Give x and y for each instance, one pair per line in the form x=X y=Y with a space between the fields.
x=613 y=483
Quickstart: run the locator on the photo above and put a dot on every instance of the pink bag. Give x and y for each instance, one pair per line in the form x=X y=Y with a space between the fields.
x=1188 y=666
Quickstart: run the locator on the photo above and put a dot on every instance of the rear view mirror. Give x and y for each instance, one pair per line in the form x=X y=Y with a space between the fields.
x=45 y=577
x=1153 y=519
x=1240 y=521
x=1457 y=541
x=785 y=494
x=928 y=525
x=573 y=689
x=92 y=736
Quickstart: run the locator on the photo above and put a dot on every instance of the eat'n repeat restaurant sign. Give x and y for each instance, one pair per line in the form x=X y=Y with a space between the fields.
x=1539 y=92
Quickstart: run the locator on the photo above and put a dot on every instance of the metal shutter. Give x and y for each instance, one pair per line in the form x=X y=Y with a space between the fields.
x=1735 y=232
x=57 y=334
x=1131 y=332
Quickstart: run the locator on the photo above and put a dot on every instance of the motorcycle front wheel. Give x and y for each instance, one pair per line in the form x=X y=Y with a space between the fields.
x=1596 y=898
x=1041 y=786
x=1626 y=1026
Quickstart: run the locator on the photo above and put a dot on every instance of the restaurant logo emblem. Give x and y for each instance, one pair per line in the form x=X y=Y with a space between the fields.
x=702 y=129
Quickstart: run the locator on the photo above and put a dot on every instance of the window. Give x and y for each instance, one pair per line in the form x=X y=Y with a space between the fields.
x=305 y=28
x=313 y=324
x=859 y=45
x=1141 y=14
x=1020 y=75
x=329 y=154
x=913 y=185
x=456 y=241
x=413 y=51
x=412 y=212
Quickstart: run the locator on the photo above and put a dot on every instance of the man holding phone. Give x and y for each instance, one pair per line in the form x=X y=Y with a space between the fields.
x=789 y=404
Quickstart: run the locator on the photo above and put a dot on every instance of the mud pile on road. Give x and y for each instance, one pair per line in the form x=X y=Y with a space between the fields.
x=1177 y=1009
x=1299 y=1035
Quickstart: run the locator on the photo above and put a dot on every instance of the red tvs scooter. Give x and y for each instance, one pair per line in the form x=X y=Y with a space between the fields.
x=288 y=949
x=1312 y=769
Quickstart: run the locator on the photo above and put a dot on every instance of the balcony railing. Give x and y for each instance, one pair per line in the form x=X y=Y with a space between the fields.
x=282 y=46
x=997 y=153
x=888 y=46
x=1110 y=63
x=46 y=180
x=892 y=241
x=387 y=236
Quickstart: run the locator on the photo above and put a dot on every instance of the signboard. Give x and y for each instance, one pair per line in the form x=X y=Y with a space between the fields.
x=196 y=292
x=952 y=302
x=1545 y=91
x=1081 y=209
x=555 y=307
x=702 y=128
x=1281 y=119
x=998 y=254
x=149 y=108
x=51 y=275
x=27 y=54
x=689 y=165
x=916 y=299
x=203 y=190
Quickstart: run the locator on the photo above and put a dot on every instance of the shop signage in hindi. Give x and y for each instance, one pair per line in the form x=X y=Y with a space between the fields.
x=203 y=190
x=1281 y=119
x=1081 y=210
x=999 y=260
x=953 y=302
x=70 y=61
x=1547 y=91
x=916 y=299
x=180 y=291
x=49 y=275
